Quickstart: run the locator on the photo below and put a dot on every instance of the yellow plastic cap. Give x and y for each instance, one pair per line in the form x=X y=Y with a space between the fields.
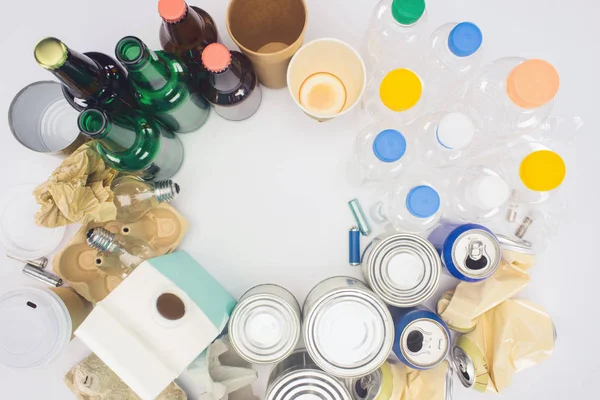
x=400 y=90
x=532 y=83
x=543 y=170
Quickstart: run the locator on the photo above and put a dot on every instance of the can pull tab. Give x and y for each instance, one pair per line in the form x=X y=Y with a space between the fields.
x=365 y=386
x=476 y=258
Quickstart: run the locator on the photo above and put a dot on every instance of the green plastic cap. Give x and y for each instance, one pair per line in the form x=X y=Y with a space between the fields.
x=407 y=12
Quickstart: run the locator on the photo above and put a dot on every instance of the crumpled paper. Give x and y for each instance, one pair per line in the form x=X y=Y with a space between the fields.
x=77 y=191
x=93 y=380
x=461 y=308
x=222 y=374
x=410 y=384
x=512 y=337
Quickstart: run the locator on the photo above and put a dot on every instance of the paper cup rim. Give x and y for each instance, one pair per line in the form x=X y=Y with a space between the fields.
x=360 y=96
x=254 y=53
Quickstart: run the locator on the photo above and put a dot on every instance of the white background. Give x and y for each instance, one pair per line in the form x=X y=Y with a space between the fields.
x=266 y=198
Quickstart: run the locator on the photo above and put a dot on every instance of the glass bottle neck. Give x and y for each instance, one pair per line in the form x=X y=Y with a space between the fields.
x=187 y=30
x=146 y=69
x=82 y=75
x=226 y=81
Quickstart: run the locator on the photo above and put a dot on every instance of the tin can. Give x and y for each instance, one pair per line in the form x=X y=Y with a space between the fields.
x=264 y=327
x=378 y=385
x=348 y=330
x=298 y=377
x=403 y=269
x=470 y=364
x=422 y=340
x=470 y=252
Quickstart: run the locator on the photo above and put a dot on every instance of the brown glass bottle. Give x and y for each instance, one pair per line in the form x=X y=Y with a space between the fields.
x=186 y=31
x=90 y=79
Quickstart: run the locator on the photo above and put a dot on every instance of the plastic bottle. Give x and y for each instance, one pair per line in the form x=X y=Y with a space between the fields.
x=513 y=95
x=134 y=198
x=454 y=54
x=396 y=32
x=414 y=205
x=381 y=153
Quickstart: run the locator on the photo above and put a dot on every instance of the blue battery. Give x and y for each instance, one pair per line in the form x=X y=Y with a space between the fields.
x=354 y=240
x=470 y=252
x=422 y=339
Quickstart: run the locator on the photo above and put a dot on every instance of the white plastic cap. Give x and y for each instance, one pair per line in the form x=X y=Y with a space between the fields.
x=455 y=131
x=490 y=192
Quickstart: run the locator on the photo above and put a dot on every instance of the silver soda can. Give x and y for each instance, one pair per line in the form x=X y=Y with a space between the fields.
x=422 y=338
x=348 y=330
x=264 y=327
x=298 y=377
x=403 y=269
x=470 y=252
x=378 y=385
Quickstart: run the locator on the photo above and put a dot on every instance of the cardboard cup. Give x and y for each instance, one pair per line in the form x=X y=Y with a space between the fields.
x=330 y=56
x=268 y=32
x=78 y=307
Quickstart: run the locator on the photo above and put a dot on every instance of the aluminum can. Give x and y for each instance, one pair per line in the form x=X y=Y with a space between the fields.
x=378 y=385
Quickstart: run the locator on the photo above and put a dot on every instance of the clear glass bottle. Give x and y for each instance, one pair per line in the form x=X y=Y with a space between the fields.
x=162 y=84
x=381 y=153
x=89 y=80
x=414 y=205
x=395 y=34
x=453 y=56
x=443 y=138
x=133 y=143
x=232 y=84
x=134 y=198
x=130 y=251
x=512 y=95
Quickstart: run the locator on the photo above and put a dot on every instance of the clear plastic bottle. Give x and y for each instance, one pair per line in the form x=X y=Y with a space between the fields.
x=513 y=95
x=396 y=32
x=454 y=54
x=381 y=153
x=414 y=205
x=134 y=198
x=443 y=137
x=477 y=193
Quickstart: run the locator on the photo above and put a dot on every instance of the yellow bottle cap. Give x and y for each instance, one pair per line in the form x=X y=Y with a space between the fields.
x=400 y=90
x=543 y=170
x=51 y=53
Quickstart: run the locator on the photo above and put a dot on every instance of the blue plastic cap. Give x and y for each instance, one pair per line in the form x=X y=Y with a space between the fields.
x=423 y=201
x=389 y=146
x=465 y=39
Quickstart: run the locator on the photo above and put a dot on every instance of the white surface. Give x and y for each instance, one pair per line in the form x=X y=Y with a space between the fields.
x=267 y=197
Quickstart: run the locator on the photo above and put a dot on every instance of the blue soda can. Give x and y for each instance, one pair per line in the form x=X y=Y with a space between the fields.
x=422 y=339
x=470 y=252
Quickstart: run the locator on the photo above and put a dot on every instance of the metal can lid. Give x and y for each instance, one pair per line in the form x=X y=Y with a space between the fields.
x=264 y=328
x=464 y=367
x=367 y=387
x=425 y=343
x=404 y=270
x=349 y=332
x=476 y=252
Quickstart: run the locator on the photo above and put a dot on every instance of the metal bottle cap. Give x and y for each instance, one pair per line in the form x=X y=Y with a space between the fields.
x=465 y=369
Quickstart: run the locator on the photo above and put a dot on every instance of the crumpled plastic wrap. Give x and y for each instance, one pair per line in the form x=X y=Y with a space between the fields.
x=410 y=384
x=222 y=374
x=77 y=191
x=462 y=307
x=511 y=337
x=91 y=379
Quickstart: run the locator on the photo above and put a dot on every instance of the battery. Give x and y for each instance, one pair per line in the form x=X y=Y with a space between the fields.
x=378 y=385
x=422 y=339
x=348 y=331
x=264 y=327
x=298 y=377
x=470 y=252
x=354 y=244
x=403 y=269
x=470 y=364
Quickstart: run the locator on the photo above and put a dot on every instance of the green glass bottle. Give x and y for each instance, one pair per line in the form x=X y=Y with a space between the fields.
x=133 y=143
x=90 y=79
x=162 y=85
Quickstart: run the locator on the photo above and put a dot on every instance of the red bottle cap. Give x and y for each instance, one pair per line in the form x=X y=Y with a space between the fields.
x=172 y=10
x=216 y=57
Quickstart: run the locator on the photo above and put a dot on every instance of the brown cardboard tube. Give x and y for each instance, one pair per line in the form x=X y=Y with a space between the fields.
x=269 y=33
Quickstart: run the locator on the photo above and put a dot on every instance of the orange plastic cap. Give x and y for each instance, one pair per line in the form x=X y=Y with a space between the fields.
x=216 y=57
x=172 y=10
x=532 y=83
x=543 y=170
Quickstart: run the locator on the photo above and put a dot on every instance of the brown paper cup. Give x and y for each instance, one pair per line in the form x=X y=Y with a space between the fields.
x=78 y=307
x=328 y=56
x=268 y=32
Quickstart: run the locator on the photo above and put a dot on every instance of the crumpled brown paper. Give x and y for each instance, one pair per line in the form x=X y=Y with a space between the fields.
x=461 y=308
x=77 y=191
x=410 y=384
x=512 y=337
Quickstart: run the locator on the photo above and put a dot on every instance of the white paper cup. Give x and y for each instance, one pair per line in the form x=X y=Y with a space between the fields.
x=317 y=74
